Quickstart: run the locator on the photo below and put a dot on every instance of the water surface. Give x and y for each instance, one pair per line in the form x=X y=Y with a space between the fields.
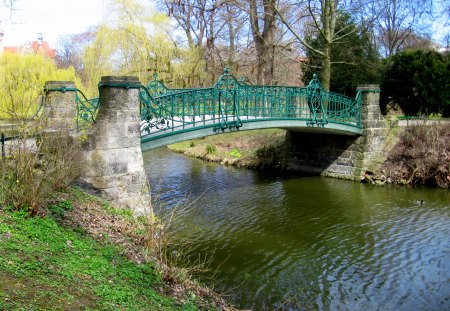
x=309 y=243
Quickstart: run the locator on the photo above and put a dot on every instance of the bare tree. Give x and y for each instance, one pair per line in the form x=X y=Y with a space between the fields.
x=70 y=50
x=199 y=21
x=321 y=19
x=395 y=21
x=262 y=21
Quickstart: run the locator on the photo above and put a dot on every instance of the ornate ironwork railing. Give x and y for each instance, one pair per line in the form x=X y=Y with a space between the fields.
x=157 y=88
x=230 y=103
x=86 y=109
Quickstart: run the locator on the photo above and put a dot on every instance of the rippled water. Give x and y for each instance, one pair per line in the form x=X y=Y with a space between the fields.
x=309 y=242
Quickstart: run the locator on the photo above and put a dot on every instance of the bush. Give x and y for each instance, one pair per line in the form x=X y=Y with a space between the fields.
x=36 y=166
x=418 y=82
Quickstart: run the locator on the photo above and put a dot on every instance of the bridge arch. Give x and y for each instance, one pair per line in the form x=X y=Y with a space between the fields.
x=173 y=115
x=128 y=118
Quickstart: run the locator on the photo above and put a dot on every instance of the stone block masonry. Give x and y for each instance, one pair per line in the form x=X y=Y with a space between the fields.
x=60 y=110
x=340 y=155
x=114 y=163
x=113 y=158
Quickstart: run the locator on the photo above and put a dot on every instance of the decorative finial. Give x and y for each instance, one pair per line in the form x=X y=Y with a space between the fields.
x=225 y=71
x=315 y=76
x=155 y=76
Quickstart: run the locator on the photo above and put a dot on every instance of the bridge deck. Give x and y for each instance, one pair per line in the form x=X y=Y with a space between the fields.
x=181 y=131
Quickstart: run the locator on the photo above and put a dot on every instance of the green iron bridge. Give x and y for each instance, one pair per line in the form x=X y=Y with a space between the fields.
x=173 y=115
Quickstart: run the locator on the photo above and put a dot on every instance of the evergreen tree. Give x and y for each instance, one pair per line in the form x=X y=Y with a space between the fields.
x=418 y=81
x=354 y=58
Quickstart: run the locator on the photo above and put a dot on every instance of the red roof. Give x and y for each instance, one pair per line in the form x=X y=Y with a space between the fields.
x=36 y=48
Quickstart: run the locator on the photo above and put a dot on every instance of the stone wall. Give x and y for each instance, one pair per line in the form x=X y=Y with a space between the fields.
x=339 y=155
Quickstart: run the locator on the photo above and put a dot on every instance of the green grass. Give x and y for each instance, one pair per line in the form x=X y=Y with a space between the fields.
x=240 y=146
x=46 y=266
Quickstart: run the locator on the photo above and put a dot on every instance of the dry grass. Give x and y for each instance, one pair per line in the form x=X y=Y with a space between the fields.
x=422 y=156
x=144 y=240
x=36 y=166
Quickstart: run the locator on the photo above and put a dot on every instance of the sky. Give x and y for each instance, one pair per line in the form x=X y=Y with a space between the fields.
x=55 y=18
x=52 y=18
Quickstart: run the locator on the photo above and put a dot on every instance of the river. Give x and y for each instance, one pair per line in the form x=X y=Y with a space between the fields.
x=310 y=243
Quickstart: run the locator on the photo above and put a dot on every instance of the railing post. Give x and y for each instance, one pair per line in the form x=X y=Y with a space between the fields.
x=60 y=111
x=374 y=125
x=370 y=105
x=114 y=163
x=3 y=145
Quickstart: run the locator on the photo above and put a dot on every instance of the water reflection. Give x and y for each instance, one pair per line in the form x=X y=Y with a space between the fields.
x=309 y=242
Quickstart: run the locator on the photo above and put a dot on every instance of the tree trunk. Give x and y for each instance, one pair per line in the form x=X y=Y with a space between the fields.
x=264 y=41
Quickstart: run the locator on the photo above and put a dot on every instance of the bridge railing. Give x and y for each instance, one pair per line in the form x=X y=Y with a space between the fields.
x=157 y=88
x=230 y=102
x=86 y=108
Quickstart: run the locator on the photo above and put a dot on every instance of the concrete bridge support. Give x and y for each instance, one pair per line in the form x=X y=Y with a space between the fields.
x=341 y=156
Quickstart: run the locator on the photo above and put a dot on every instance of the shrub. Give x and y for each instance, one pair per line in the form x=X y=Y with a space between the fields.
x=418 y=82
x=265 y=152
x=36 y=166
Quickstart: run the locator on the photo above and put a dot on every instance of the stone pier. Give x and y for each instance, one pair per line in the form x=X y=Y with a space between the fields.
x=340 y=156
x=114 y=163
x=60 y=110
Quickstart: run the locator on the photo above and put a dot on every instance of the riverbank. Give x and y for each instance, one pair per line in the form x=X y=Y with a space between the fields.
x=420 y=156
x=257 y=149
x=79 y=252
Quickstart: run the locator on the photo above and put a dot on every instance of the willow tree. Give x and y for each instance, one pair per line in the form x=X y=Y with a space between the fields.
x=135 y=40
x=22 y=79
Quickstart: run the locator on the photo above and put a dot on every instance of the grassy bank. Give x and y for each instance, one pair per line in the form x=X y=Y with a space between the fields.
x=259 y=149
x=80 y=253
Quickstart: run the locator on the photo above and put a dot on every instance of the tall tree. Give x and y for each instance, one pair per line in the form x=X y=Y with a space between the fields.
x=199 y=21
x=355 y=58
x=125 y=46
x=395 y=21
x=322 y=15
x=70 y=48
x=262 y=21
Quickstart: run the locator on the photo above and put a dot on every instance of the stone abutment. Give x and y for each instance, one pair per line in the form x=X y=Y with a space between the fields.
x=341 y=156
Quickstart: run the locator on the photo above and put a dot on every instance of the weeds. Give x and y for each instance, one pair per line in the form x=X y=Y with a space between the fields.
x=422 y=156
x=265 y=152
x=37 y=166
x=210 y=149
x=174 y=252
x=234 y=153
